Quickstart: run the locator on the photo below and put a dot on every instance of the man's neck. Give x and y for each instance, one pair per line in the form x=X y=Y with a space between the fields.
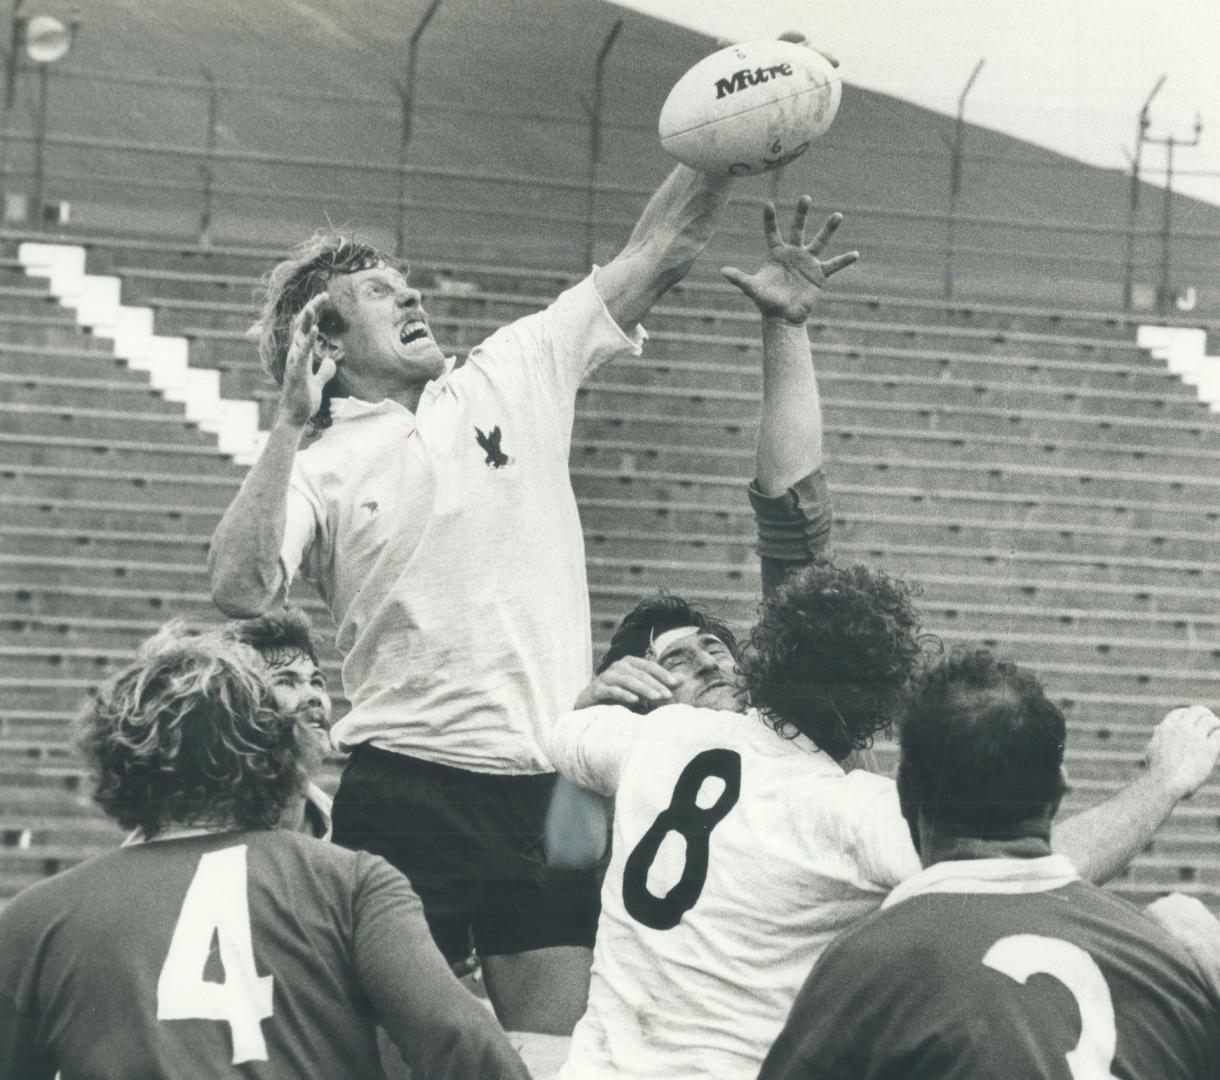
x=1029 y=839
x=373 y=390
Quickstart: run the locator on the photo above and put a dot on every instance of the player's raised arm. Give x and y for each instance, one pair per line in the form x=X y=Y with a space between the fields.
x=674 y=228
x=244 y=559
x=789 y=496
x=1181 y=755
x=786 y=290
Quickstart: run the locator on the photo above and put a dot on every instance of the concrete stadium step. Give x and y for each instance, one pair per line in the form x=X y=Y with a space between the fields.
x=682 y=370
x=1197 y=630
x=1143 y=893
x=104 y=426
x=740 y=600
x=69 y=452
x=38 y=833
x=128 y=547
x=1061 y=536
x=677 y=456
x=31 y=300
x=31 y=571
x=33 y=725
x=50 y=331
x=1138 y=436
x=126 y=486
x=606 y=391
x=118 y=394
x=1031 y=482
x=81 y=632
x=1070 y=572
x=76 y=363
x=711 y=327
x=124 y=598
x=73 y=666
x=171 y=519
x=962 y=503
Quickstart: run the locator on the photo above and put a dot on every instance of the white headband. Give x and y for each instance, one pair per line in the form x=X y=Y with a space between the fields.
x=657 y=645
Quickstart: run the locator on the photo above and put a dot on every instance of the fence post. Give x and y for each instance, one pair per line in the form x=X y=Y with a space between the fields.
x=594 y=112
x=1133 y=205
x=955 y=177
x=40 y=144
x=207 y=169
x=406 y=95
x=1163 y=301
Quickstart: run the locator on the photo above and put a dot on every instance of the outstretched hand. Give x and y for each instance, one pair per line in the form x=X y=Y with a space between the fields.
x=1184 y=749
x=307 y=369
x=788 y=284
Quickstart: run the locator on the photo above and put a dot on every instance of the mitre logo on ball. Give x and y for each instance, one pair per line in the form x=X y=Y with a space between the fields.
x=750 y=108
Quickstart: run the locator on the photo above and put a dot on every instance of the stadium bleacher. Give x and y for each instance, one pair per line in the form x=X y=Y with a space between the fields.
x=1051 y=486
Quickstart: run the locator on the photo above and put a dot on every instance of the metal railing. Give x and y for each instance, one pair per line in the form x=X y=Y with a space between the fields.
x=386 y=159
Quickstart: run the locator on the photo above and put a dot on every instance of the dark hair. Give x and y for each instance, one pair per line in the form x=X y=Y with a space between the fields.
x=291 y=284
x=832 y=654
x=189 y=734
x=982 y=746
x=656 y=614
x=279 y=637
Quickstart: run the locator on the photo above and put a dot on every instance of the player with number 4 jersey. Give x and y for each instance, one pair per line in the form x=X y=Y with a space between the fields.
x=221 y=944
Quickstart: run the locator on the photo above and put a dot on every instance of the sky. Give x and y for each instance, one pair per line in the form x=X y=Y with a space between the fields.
x=1070 y=75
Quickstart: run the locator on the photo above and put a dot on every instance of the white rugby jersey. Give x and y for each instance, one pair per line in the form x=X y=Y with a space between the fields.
x=737 y=856
x=447 y=545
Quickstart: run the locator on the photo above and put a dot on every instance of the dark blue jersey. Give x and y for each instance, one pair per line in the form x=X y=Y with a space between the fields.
x=1070 y=983
x=253 y=954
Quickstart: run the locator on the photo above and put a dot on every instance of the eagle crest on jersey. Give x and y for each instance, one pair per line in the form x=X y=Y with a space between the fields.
x=496 y=457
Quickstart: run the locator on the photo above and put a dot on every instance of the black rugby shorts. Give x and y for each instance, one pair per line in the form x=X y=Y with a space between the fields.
x=471 y=844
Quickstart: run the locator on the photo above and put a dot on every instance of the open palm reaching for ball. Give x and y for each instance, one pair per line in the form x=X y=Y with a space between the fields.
x=787 y=285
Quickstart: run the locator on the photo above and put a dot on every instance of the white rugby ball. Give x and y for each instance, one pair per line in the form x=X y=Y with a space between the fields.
x=750 y=108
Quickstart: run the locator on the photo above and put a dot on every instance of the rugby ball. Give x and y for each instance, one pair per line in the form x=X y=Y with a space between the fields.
x=750 y=108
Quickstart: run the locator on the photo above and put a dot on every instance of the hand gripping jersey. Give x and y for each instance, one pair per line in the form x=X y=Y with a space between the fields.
x=251 y=954
x=995 y=969
x=737 y=855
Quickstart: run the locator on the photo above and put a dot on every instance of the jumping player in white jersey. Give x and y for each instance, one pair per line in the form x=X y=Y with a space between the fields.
x=432 y=508
x=996 y=960
x=222 y=945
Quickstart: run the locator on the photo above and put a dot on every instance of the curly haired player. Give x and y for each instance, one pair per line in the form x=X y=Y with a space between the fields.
x=221 y=942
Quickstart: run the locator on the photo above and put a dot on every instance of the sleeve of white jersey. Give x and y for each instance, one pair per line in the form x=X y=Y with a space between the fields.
x=563 y=344
x=589 y=746
x=884 y=849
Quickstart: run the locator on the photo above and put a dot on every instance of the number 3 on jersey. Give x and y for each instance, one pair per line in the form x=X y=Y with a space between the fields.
x=694 y=824
x=216 y=907
x=1023 y=955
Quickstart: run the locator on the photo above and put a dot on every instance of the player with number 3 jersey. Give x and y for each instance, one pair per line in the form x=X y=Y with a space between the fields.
x=222 y=945
x=996 y=961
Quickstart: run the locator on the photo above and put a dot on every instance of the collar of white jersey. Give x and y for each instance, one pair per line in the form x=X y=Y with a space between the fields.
x=997 y=876
x=347 y=408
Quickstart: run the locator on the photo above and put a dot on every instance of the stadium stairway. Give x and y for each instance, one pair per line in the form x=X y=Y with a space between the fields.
x=1052 y=487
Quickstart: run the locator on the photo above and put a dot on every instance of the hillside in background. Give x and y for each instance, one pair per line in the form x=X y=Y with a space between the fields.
x=281 y=65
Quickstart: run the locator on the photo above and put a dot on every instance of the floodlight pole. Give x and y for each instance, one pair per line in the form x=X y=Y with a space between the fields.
x=955 y=176
x=1170 y=143
x=1141 y=136
x=594 y=113
x=40 y=120
x=406 y=93
x=12 y=61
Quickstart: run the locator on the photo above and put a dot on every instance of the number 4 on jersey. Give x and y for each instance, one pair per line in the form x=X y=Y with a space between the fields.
x=216 y=907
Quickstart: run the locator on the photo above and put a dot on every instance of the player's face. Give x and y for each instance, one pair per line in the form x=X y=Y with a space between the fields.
x=387 y=333
x=707 y=670
x=299 y=689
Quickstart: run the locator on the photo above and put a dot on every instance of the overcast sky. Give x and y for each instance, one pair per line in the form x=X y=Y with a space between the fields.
x=1068 y=74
